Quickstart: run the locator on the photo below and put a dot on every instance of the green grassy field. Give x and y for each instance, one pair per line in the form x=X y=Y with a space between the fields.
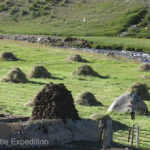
x=121 y=72
x=131 y=44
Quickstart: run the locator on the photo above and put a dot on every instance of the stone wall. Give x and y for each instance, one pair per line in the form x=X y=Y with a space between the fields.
x=55 y=132
x=49 y=40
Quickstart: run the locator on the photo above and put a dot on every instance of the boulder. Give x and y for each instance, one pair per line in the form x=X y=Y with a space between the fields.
x=122 y=103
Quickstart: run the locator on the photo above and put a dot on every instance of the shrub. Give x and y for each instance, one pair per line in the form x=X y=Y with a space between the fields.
x=2 y=7
x=24 y=12
x=14 y=10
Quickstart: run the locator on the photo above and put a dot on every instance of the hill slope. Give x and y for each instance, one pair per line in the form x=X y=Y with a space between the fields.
x=76 y=17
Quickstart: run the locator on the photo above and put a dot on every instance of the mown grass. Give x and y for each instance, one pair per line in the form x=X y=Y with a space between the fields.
x=121 y=72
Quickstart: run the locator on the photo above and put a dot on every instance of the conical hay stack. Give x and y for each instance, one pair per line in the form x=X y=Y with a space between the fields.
x=110 y=54
x=39 y=72
x=145 y=67
x=87 y=99
x=8 y=56
x=85 y=70
x=54 y=102
x=15 y=75
x=140 y=89
x=76 y=58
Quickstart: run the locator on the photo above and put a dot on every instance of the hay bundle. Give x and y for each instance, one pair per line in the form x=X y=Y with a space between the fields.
x=85 y=70
x=54 y=102
x=15 y=75
x=110 y=54
x=39 y=72
x=76 y=58
x=30 y=103
x=145 y=77
x=8 y=56
x=87 y=99
x=145 y=67
x=140 y=89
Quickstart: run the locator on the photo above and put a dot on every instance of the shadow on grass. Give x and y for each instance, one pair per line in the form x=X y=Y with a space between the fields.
x=33 y=82
x=56 y=78
x=105 y=77
x=119 y=126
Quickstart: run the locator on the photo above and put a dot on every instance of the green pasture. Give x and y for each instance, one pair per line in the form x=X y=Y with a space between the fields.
x=122 y=73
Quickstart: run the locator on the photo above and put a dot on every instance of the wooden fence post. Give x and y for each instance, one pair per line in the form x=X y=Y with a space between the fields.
x=100 y=130
x=137 y=136
x=105 y=139
x=132 y=135
x=109 y=132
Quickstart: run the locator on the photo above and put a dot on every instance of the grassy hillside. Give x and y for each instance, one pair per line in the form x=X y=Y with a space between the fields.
x=75 y=18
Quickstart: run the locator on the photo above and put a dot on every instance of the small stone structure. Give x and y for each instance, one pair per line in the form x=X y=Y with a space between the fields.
x=46 y=133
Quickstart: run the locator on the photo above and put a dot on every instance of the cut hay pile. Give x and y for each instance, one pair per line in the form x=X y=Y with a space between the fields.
x=38 y=72
x=145 y=77
x=85 y=70
x=140 y=89
x=145 y=67
x=54 y=102
x=15 y=75
x=30 y=103
x=110 y=54
x=87 y=99
x=76 y=58
x=8 y=56
x=116 y=124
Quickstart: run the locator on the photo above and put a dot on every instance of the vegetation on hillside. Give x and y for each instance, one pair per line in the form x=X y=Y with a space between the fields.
x=75 y=18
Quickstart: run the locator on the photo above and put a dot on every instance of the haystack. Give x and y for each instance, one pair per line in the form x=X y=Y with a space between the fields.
x=85 y=70
x=145 y=77
x=15 y=75
x=110 y=54
x=38 y=72
x=145 y=67
x=8 y=56
x=30 y=103
x=116 y=124
x=54 y=102
x=140 y=89
x=87 y=99
x=76 y=58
